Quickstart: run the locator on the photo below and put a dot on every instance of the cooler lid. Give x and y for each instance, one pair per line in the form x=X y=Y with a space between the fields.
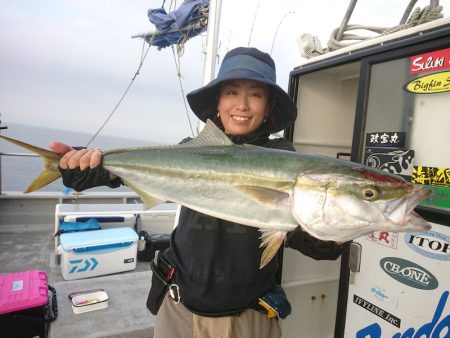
x=23 y=290
x=97 y=237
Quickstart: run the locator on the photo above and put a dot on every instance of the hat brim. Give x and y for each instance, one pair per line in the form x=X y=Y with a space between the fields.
x=203 y=101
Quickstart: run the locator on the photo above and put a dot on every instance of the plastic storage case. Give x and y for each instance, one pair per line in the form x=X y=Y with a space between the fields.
x=27 y=304
x=98 y=252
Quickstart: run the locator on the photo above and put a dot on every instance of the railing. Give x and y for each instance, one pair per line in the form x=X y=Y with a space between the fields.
x=11 y=154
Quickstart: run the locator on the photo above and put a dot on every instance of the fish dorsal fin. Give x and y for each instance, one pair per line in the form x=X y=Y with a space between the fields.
x=210 y=135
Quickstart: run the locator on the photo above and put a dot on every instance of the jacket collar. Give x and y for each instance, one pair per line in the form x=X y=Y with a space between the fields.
x=258 y=137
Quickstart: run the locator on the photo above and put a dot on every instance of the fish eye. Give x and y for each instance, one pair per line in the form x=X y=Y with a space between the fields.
x=369 y=193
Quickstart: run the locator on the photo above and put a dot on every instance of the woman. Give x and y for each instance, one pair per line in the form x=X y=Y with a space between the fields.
x=219 y=285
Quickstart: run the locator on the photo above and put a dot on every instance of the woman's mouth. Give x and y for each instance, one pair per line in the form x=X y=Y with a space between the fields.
x=240 y=118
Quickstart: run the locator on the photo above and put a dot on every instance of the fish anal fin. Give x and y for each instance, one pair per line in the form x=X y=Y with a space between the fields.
x=266 y=196
x=271 y=240
x=150 y=201
x=46 y=177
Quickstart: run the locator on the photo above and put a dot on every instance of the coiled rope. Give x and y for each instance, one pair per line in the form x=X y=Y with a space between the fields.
x=418 y=17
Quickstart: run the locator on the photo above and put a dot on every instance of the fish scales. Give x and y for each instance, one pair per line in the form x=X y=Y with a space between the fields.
x=204 y=179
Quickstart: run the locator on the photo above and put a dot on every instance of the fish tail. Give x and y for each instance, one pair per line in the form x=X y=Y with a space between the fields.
x=51 y=160
x=271 y=240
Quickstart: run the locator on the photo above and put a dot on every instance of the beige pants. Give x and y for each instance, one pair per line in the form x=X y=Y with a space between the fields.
x=175 y=321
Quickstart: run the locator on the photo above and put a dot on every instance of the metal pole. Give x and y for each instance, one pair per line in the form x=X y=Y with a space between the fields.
x=211 y=40
x=1 y=156
x=434 y=3
x=344 y=23
x=408 y=11
x=212 y=37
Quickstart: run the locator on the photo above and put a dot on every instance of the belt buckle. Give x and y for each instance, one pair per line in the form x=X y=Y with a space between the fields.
x=174 y=292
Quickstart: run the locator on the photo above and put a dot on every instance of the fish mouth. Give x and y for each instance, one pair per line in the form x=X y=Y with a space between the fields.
x=403 y=213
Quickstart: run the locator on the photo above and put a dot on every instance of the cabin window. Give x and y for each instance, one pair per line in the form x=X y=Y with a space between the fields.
x=407 y=123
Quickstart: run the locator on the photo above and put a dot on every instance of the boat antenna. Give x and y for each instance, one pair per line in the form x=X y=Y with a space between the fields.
x=141 y=62
x=253 y=23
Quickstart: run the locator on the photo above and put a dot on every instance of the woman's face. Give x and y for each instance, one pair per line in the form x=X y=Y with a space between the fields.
x=243 y=106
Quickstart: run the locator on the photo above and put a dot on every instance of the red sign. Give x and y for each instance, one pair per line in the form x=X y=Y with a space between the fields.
x=429 y=62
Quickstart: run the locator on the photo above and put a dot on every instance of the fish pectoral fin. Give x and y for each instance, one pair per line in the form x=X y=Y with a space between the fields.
x=271 y=240
x=266 y=196
x=150 y=201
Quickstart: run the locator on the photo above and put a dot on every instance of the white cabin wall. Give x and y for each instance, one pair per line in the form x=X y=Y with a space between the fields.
x=326 y=102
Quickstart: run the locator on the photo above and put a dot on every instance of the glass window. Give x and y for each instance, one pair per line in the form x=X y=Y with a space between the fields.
x=407 y=125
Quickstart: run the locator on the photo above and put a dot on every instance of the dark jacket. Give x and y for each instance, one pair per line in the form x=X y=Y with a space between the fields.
x=217 y=261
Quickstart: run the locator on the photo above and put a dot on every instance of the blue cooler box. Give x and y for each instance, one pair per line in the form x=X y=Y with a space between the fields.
x=99 y=252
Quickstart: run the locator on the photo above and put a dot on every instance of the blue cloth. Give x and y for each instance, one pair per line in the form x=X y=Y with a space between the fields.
x=278 y=301
x=171 y=27
x=91 y=224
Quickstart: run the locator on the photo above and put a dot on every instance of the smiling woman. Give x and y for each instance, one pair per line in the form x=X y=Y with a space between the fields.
x=243 y=106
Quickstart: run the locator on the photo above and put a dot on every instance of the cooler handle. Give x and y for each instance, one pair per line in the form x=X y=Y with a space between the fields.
x=103 y=248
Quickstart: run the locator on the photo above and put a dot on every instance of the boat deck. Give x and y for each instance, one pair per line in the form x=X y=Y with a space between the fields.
x=29 y=246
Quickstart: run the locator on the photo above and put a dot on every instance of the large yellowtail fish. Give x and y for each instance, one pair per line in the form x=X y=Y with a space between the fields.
x=269 y=189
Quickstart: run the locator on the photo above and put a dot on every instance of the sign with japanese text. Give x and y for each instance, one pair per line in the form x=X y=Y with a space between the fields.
x=385 y=139
x=429 y=62
x=431 y=176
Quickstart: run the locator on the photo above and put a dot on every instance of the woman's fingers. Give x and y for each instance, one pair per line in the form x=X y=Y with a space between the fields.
x=59 y=148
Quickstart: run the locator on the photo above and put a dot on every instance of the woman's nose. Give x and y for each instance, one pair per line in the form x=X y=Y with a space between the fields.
x=243 y=103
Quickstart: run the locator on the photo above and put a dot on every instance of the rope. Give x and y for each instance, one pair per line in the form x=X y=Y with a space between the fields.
x=178 y=67
x=143 y=56
x=180 y=50
x=418 y=17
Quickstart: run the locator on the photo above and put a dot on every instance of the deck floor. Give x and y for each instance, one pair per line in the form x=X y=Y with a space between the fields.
x=31 y=246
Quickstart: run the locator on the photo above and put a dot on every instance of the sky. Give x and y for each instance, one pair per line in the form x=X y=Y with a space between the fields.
x=65 y=64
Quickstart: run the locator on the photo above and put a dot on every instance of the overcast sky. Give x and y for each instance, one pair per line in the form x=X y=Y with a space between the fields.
x=65 y=63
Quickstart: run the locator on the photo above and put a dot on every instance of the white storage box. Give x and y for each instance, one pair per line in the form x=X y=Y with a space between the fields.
x=99 y=252
x=107 y=221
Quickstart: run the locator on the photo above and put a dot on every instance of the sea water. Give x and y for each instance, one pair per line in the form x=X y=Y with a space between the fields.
x=17 y=172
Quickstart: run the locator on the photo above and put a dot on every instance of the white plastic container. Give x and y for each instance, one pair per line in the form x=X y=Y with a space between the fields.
x=86 y=302
x=96 y=253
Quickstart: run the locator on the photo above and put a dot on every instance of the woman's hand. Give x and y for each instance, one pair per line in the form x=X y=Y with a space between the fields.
x=82 y=159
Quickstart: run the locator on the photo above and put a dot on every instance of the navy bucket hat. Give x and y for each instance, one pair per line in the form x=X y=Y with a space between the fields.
x=248 y=64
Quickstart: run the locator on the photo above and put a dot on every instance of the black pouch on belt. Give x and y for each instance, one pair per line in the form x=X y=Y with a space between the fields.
x=162 y=275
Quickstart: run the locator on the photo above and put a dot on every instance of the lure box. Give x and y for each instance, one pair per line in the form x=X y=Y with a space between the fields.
x=99 y=252
x=27 y=304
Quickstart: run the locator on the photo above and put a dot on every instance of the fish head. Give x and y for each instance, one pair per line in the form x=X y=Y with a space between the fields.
x=348 y=202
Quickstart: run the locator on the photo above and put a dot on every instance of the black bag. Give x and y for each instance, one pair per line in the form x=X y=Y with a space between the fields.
x=153 y=243
x=162 y=275
x=31 y=322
